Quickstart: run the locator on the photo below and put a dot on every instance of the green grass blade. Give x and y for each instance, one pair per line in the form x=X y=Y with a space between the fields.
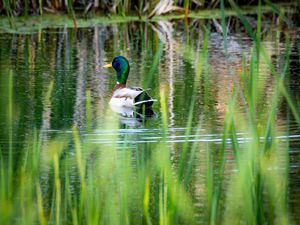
x=224 y=29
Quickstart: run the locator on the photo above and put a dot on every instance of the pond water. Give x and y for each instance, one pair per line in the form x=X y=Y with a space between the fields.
x=164 y=57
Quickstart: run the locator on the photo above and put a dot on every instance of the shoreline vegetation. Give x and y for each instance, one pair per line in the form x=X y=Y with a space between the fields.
x=39 y=14
x=20 y=23
x=149 y=8
x=69 y=179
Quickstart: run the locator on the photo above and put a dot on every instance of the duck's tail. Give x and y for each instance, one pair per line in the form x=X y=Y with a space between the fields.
x=143 y=99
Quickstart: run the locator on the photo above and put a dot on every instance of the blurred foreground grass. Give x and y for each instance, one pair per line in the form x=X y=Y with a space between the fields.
x=69 y=180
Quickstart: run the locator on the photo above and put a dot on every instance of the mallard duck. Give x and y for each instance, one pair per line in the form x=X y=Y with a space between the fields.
x=122 y=96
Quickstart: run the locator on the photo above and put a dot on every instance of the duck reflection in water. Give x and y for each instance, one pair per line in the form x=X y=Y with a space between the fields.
x=133 y=117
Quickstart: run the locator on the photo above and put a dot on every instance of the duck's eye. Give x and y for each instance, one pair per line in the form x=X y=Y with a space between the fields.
x=117 y=66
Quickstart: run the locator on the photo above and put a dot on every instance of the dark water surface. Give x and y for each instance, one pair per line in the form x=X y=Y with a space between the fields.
x=163 y=57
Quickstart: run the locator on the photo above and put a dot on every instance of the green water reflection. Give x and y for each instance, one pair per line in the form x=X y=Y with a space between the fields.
x=163 y=56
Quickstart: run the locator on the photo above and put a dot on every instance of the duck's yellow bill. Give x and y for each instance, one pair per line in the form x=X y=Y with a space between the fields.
x=107 y=65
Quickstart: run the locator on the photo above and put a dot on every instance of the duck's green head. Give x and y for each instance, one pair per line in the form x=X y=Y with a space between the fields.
x=121 y=66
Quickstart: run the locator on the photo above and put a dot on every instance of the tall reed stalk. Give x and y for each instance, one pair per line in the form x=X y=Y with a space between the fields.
x=186 y=7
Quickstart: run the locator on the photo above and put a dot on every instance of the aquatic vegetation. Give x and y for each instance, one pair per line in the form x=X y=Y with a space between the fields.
x=87 y=172
x=148 y=8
